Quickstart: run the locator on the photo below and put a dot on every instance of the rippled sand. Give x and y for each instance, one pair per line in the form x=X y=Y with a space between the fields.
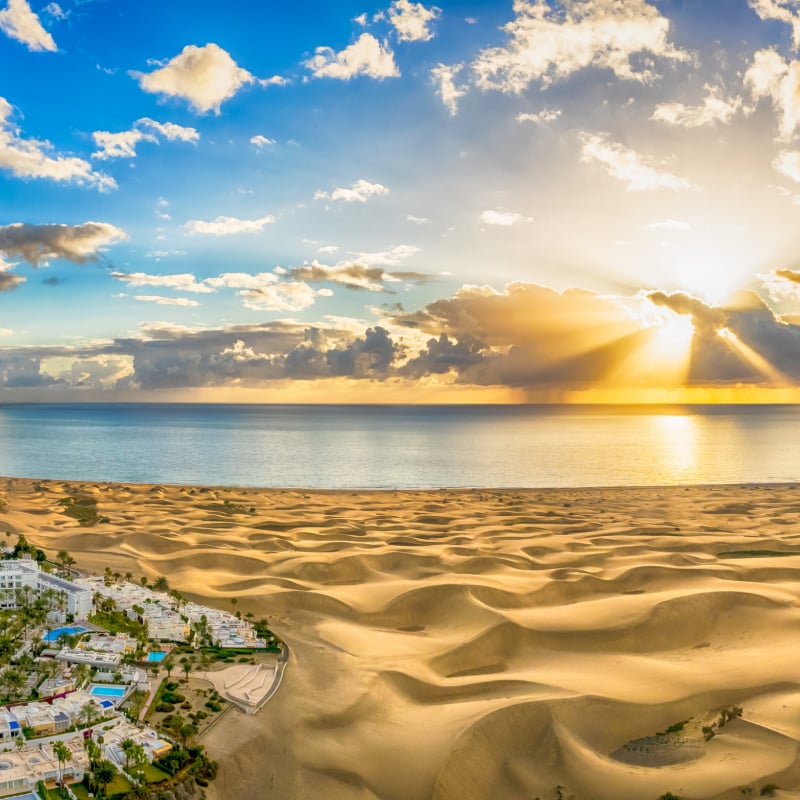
x=483 y=644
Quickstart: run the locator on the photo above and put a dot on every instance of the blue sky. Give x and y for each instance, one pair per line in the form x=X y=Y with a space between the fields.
x=399 y=201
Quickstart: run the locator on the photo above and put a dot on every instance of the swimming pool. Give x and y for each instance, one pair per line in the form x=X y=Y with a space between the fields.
x=66 y=630
x=156 y=655
x=103 y=690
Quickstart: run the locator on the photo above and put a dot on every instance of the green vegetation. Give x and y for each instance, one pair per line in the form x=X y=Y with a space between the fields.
x=669 y=796
x=728 y=715
x=769 y=789
x=115 y=621
x=80 y=507
x=24 y=547
x=674 y=728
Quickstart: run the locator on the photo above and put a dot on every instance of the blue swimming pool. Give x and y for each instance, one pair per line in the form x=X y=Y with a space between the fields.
x=66 y=630
x=100 y=690
x=156 y=655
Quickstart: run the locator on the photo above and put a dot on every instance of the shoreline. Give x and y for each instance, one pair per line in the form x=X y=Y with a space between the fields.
x=457 y=644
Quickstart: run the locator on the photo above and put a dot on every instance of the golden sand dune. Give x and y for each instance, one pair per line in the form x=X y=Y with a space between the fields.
x=460 y=645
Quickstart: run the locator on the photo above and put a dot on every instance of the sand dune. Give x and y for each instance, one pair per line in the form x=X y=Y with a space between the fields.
x=499 y=645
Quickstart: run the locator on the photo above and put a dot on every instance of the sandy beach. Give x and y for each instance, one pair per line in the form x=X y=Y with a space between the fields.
x=460 y=644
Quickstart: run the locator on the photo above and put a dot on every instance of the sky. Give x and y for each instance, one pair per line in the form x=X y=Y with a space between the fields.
x=528 y=201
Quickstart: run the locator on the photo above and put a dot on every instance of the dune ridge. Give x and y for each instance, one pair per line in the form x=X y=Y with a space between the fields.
x=458 y=644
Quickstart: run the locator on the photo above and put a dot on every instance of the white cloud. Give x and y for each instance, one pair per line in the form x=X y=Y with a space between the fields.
x=166 y=301
x=669 y=225
x=386 y=258
x=640 y=173
x=275 y=80
x=205 y=76
x=787 y=162
x=77 y=243
x=227 y=226
x=162 y=204
x=714 y=108
x=19 y=22
x=261 y=141
x=547 y=44
x=543 y=117
x=782 y=10
x=183 y=282
x=361 y=20
x=417 y=220
x=443 y=76
x=169 y=130
x=28 y=158
x=55 y=11
x=503 y=219
x=359 y=192
x=412 y=20
x=123 y=144
x=263 y=292
x=328 y=248
x=770 y=76
x=366 y=56
x=6 y=332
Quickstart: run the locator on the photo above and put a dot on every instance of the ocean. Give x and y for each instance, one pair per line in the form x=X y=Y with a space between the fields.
x=343 y=447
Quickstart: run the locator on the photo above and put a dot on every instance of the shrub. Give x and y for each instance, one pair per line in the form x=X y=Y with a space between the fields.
x=165 y=707
x=213 y=705
x=769 y=789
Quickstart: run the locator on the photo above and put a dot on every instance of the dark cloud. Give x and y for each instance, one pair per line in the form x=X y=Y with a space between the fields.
x=528 y=337
x=706 y=319
x=53 y=281
x=38 y=243
x=353 y=276
x=9 y=281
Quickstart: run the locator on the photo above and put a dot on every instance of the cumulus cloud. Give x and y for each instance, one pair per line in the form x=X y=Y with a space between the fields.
x=19 y=22
x=29 y=158
x=264 y=291
x=771 y=77
x=183 y=282
x=367 y=56
x=166 y=301
x=503 y=219
x=782 y=284
x=782 y=10
x=546 y=44
x=543 y=117
x=205 y=76
x=359 y=192
x=706 y=319
x=412 y=20
x=123 y=144
x=261 y=141
x=444 y=78
x=9 y=281
x=227 y=226
x=714 y=108
x=640 y=173
x=787 y=162
x=77 y=243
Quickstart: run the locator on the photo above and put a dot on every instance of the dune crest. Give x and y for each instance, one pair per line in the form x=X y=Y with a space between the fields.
x=488 y=644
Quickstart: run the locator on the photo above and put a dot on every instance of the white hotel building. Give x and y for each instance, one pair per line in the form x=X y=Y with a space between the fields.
x=17 y=573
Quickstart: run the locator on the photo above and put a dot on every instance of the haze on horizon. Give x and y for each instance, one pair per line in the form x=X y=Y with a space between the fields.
x=593 y=200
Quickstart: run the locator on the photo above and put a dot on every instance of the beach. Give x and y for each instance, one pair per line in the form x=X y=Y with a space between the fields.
x=457 y=644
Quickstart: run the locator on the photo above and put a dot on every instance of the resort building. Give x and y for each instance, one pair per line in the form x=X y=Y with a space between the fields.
x=23 y=770
x=170 y=621
x=25 y=572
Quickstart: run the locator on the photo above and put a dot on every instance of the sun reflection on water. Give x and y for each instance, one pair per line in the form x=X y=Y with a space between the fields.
x=675 y=445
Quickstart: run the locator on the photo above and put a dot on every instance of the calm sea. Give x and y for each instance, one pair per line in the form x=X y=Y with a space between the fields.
x=400 y=446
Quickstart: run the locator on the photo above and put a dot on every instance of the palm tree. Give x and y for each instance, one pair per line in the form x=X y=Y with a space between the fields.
x=127 y=746
x=128 y=576
x=92 y=750
x=143 y=580
x=62 y=558
x=62 y=754
x=161 y=584
x=103 y=773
